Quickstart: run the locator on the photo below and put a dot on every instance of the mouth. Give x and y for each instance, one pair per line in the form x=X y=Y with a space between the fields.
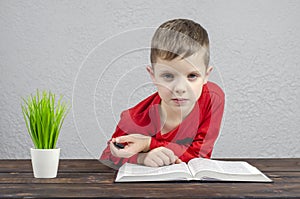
x=180 y=101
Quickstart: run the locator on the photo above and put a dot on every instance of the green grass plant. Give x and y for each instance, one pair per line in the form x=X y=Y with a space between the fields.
x=44 y=118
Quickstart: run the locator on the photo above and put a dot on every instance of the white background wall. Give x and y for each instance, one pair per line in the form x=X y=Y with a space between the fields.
x=95 y=53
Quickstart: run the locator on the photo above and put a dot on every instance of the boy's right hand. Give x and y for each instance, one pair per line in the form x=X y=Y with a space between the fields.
x=157 y=157
x=135 y=143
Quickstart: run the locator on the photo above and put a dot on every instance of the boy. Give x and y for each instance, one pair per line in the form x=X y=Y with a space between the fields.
x=182 y=119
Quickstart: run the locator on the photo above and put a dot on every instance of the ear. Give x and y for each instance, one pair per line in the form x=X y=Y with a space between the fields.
x=208 y=71
x=151 y=72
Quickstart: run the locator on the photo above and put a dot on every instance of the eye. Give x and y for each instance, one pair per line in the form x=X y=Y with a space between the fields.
x=193 y=76
x=167 y=76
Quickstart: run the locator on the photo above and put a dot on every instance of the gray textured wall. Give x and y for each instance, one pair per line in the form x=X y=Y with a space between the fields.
x=95 y=53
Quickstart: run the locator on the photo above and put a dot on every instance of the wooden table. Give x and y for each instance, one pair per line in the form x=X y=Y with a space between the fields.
x=90 y=178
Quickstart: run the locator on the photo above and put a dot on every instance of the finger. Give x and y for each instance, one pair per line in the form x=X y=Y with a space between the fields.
x=178 y=161
x=132 y=148
x=172 y=159
x=124 y=138
x=138 y=136
x=113 y=146
x=149 y=162
x=159 y=157
x=113 y=149
x=170 y=154
x=165 y=158
x=122 y=153
x=158 y=160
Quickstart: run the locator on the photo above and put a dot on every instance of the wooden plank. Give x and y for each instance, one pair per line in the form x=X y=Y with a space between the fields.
x=69 y=165
x=102 y=178
x=15 y=165
x=90 y=165
x=153 y=190
x=72 y=178
x=281 y=164
x=271 y=164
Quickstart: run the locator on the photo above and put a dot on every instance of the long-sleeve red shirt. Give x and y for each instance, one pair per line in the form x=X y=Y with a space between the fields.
x=194 y=137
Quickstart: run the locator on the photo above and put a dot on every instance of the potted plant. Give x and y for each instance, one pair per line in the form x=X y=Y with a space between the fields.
x=44 y=118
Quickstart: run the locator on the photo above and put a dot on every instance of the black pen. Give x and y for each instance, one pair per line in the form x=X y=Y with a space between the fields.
x=119 y=145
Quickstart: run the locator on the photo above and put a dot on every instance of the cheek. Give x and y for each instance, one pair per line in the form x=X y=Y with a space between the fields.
x=163 y=90
x=197 y=90
x=197 y=93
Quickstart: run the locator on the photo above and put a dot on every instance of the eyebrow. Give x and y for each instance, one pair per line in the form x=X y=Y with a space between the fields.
x=166 y=71
x=194 y=71
x=189 y=72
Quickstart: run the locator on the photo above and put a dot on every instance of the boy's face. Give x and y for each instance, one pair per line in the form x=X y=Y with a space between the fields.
x=179 y=81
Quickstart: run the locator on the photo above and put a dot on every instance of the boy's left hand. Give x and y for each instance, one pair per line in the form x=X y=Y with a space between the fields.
x=135 y=143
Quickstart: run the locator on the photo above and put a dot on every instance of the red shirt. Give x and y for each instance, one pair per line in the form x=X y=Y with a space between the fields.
x=194 y=137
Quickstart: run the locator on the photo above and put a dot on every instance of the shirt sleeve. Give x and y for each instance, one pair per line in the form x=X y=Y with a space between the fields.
x=134 y=120
x=201 y=144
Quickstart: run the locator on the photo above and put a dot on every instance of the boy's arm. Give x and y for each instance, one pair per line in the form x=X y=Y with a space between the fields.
x=125 y=129
x=108 y=157
x=201 y=144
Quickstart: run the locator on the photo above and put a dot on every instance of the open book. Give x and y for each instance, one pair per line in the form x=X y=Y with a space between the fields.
x=196 y=169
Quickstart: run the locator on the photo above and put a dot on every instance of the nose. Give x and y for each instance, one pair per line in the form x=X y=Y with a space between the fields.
x=180 y=87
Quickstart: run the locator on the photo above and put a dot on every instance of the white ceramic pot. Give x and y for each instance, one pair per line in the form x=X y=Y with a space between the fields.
x=45 y=162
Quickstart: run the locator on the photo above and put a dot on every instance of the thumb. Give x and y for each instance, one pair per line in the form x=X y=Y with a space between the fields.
x=123 y=139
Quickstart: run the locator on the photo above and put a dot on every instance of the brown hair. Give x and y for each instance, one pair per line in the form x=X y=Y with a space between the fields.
x=179 y=37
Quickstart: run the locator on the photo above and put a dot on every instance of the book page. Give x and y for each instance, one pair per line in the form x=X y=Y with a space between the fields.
x=200 y=164
x=229 y=167
x=139 y=170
